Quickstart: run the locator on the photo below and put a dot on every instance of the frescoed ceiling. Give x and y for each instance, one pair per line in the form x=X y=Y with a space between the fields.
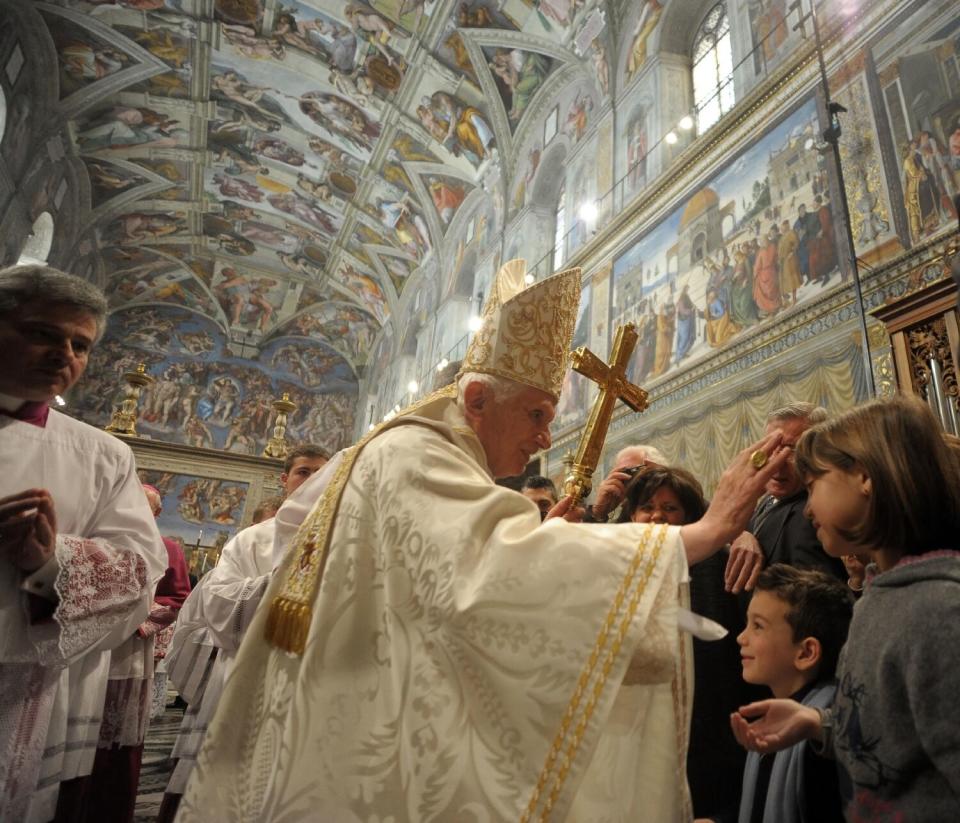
x=285 y=167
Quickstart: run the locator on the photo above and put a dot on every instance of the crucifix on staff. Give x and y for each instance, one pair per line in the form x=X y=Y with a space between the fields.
x=612 y=380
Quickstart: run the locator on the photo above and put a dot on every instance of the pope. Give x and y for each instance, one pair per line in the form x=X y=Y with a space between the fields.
x=427 y=651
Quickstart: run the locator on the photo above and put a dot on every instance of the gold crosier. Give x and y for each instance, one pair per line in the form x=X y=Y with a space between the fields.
x=613 y=383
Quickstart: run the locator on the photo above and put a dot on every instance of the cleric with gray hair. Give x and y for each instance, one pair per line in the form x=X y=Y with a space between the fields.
x=31 y=282
x=80 y=555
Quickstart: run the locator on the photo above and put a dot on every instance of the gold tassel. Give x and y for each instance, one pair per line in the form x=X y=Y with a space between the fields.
x=288 y=624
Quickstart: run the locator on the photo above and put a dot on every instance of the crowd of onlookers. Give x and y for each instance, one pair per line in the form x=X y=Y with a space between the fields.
x=870 y=505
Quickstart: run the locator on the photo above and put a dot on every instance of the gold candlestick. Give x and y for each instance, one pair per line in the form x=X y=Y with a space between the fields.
x=277 y=445
x=124 y=418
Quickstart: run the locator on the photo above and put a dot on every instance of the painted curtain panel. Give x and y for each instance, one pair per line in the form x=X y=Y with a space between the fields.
x=752 y=242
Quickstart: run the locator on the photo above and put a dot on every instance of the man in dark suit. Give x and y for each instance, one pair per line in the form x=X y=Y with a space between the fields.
x=779 y=528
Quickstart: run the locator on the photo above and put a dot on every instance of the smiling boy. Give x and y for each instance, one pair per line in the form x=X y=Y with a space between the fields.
x=796 y=625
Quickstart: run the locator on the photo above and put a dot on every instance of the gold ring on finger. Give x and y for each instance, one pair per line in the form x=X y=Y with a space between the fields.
x=758 y=459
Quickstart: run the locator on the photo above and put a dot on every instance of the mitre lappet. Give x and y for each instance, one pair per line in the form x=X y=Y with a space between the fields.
x=527 y=330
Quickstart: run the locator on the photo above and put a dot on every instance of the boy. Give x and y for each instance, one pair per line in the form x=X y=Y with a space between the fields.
x=796 y=625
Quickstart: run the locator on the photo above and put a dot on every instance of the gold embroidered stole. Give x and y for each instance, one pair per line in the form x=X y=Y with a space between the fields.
x=290 y=612
x=594 y=676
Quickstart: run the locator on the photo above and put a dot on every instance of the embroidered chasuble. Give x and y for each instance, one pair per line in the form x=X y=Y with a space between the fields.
x=108 y=559
x=463 y=662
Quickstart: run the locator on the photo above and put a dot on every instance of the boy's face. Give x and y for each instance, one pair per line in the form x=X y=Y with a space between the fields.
x=769 y=655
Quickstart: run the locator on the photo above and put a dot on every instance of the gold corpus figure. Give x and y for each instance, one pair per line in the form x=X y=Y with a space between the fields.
x=613 y=383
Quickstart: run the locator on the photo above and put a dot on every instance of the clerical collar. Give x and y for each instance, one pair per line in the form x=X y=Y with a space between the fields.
x=34 y=412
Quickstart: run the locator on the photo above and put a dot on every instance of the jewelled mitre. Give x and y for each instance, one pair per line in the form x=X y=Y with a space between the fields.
x=527 y=330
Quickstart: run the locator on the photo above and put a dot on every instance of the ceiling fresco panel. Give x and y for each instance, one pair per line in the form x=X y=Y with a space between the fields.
x=289 y=169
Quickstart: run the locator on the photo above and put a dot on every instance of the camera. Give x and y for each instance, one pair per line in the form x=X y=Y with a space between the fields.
x=633 y=470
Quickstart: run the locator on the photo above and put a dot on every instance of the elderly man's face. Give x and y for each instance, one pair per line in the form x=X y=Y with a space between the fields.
x=786 y=482
x=45 y=349
x=514 y=430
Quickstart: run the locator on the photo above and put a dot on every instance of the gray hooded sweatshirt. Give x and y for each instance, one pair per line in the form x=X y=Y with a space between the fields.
x=896 y=718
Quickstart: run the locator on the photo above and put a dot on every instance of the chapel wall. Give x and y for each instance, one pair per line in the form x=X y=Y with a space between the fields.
x=639 y=275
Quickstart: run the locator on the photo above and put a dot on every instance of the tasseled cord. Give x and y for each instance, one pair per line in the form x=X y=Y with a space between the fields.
x=288 y=623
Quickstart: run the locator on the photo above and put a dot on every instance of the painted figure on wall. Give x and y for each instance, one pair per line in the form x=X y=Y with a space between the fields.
x=918 y=74
x=196 y=508
x=447 y=196
x=663 y=349
x=575 y=123
x=168 y=45
x=919 y=193
x=790 y=277
x=374 y=28
x=822 y=251
x=646 y=24
x=129 y=126
x=407 y=224
x=520 y=75
x=766 y=282
x=340 y=117
x=601 y=66
x=769 y=26
x=686 y=323
x=459 y=127
x=84 y=61
x=107 y=180
x=646 y=348
x=637 y=149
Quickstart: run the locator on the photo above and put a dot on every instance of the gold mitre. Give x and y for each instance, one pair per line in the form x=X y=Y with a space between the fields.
x=527 y=330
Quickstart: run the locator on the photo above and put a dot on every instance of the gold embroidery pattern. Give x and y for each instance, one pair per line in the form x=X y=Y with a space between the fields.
x=525 y=337
x=681 y=696
x=288 y=621
x=558 y=763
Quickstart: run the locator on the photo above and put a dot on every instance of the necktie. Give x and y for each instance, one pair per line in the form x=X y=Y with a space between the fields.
x=763 y=509
x=33 y=412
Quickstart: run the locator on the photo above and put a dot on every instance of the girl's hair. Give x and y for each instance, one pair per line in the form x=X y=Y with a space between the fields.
x=683 y=484
x=914 y=506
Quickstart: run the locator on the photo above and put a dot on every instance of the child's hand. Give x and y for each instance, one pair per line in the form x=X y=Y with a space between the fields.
x=779 y=724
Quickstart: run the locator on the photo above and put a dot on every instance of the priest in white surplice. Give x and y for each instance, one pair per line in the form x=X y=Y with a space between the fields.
x=216 y=617
x=80 y=554
x=427 y=651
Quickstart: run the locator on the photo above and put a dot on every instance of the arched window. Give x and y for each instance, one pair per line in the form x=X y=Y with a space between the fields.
x=559 y=230
x=713 y=68
x=37 y=247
